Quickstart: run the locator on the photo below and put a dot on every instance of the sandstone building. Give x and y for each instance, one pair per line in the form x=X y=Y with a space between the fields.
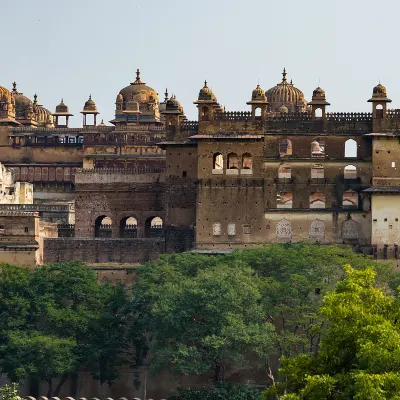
x=285 y=170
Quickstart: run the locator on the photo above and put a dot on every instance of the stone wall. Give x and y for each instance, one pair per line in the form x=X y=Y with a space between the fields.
x=103 y=251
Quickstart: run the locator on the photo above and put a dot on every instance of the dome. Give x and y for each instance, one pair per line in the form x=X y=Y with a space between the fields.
x=206 y=94
x=62 y=109
x=379 y=90
x=173 y=105
x=318 y=92
x=285 y=93
x=90 y=106
x=22 y=103
x=145 y=96
x=138 y=91
x=43 y=115
x=258 y=94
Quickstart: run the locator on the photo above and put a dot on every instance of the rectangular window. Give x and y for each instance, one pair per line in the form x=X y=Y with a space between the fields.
x=217 y=229
x=393 y=164
x=26 y=229
x=184 y=174
x=231 y=229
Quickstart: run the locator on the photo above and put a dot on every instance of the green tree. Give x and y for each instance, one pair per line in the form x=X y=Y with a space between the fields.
x=9 y=392
x=359 y=356
x=57 y=318
x=200 y=322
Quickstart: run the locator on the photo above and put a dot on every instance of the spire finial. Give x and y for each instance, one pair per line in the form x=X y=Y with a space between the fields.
x=138 y=75
x=14 y=87
x=35 y=98
x=166 y=95
x=291 y=81
x=205 y=83
x=284 y=73
x=90 y=97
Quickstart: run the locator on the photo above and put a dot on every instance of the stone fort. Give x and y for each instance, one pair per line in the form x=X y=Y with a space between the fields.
x=153 y=182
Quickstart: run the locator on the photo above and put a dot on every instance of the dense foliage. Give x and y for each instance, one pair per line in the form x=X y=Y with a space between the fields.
x=189 y=314
x=359 y=356
x=57 y=318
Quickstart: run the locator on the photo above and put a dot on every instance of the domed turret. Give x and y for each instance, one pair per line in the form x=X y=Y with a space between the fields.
x=318 y=102
x=379 y=102
x=62 y=110
x=89 y=109
x=286 y=94
x=206 y=94
x=173 y=113
x=258 y=103
x=207 y=104
x=144 y=95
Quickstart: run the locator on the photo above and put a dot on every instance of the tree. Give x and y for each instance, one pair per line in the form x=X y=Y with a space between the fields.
x=9 y=392
x=57 y=318
x=200 y=322
x=359 y=356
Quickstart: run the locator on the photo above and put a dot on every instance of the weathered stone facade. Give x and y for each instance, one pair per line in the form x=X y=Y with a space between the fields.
x=285 y=171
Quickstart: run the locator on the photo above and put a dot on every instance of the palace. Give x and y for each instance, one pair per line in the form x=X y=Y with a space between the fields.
x=285 y=170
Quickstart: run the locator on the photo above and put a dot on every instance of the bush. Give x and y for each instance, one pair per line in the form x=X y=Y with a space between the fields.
x=220 y=391
x=9 y=392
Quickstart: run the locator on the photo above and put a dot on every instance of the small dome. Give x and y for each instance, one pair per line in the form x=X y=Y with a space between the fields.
x=285 y=93
x=90 y=105
x=102 y=123
x=258 y=93
x=318 y=92
x=206 y=94
x=379 y=90
x=62 y=108
x=173 y=104
x=120 y=98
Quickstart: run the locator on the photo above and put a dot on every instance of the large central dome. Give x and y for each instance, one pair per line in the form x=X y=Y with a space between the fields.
x=144 y=96
x=286 y=95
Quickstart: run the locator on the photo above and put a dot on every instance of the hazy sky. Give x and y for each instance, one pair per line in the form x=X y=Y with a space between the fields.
x=74 y=48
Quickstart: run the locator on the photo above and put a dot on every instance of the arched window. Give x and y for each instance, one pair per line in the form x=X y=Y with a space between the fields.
x=379 y=111
x=233 y=161
x=285 y=172
x=128 y=227
x=350 y=229
x=103 y=227
x=218 y=161
x=317 y=230
x=257 y=112
x=205 y=114
x=350 y=172
x=285 y=147
x=350 y=148
x=318 y=148
x=350 y=199
x=284 y=200
x=247 y=161
x=284 y=229
x=154 y=227
x=317 y=200
x=318 y=113
x=317 y=171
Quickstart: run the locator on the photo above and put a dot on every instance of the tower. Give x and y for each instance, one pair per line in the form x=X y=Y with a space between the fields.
x=62 y=111
x=90 y=108
x=206 y=103
x=318 y=102
x=259 y=103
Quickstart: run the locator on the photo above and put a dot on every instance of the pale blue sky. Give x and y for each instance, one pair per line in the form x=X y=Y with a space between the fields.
x=73 y=48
